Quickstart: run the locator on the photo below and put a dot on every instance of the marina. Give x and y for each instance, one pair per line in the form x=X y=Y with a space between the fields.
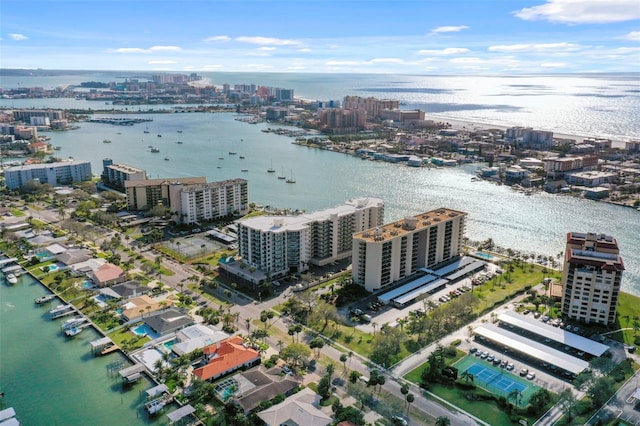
x=76 y=378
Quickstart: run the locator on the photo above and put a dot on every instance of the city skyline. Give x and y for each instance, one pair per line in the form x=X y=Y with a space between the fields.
x=405 y=36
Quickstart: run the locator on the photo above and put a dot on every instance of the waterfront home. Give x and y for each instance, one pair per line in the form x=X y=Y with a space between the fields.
x=225 y=357
x=108 y=274
x=139 y=306
x=73 y=256
x=168 y=321
x=196 y=336
x=129 y=289
x=257 y=385
x=300 y=408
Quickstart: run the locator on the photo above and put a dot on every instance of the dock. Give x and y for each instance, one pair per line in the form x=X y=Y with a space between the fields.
x=102 y=346
x=156 y=390
x=111 y=348
x=182 y=412
x=156 y=405
x=132 y=374
x=44 y=299
x=8 y=417
x=75 y=330
x=62 y=311
x=7 y=261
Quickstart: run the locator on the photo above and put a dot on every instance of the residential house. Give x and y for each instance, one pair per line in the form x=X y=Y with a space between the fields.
x=226 y=357
x=168 y=321
x=196 y=336
x=108 y=274
x=140 y=306
x=299 y=409
x=257 y=385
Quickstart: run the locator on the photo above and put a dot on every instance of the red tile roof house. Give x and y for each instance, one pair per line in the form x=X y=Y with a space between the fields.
x=226 y=357
x=108 y=274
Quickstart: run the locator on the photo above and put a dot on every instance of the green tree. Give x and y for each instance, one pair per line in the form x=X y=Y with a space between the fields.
x=443 y=421
x=324 y=386
x=296 y=354
x=410 y=398
x=540 y=399
x=317 y=344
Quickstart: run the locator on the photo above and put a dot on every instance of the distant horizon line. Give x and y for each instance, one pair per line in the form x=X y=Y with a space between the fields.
x=62 y=70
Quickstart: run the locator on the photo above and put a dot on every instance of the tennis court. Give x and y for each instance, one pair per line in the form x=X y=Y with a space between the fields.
x=495 y=379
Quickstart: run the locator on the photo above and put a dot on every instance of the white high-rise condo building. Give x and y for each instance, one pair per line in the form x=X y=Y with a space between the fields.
x=386 y=254
x=591 y=278
x=281 y=245
x=208 y=201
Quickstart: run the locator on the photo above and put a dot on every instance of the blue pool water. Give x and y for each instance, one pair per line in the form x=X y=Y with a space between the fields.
x=169 y=344
x=145 y=330
x=89 y=284
x=483 y=255
x=53 y=268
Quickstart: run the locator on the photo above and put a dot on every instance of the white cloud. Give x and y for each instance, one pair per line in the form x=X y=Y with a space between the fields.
x=446 y=51
x=304 y=50
x=268 y=41
x=386 y=61
x=164 y=49
x=541 y=47
x=633 y=35
x=149 y=50
x=162 y=62
x=18 y=37
x=130 y=50
x=266 y=48
x=582 y=11
x=449 y=29
x=466 y=60
x=553 y=65
x=334 y=63
x=217 y=38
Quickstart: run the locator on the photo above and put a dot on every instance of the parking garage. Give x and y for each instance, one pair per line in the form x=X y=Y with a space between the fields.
x=545 y=357
x=553 y=336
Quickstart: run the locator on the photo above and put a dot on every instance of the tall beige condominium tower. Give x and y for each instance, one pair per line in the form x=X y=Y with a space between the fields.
x=591 y=278
x=388 y=253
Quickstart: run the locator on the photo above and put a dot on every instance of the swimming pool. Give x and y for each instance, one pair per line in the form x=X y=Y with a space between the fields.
x=145 y=330
x=483 y=255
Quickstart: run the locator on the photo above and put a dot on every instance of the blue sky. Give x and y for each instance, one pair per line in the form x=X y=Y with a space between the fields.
x=368 y=36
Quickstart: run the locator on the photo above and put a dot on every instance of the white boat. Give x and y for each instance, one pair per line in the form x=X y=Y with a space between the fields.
x=74 y=331
x=291 y=179
x=12 y=279
x=44 y=299
x=71 y=323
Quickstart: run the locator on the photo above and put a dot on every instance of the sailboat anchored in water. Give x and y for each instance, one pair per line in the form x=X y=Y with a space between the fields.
x=271 y=169
x=291 y=179
x=282 y=176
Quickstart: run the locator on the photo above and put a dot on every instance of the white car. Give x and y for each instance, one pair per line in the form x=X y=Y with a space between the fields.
x=531 y=376
x=510 y=366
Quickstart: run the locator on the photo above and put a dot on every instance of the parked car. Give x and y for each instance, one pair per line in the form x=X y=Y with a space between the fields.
x=473 y=350
x=524 y=372
x=510 y=366
x=531 y=376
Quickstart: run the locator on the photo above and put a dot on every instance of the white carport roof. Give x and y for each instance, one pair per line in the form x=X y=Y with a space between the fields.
x=554 y=333
x=533 y=349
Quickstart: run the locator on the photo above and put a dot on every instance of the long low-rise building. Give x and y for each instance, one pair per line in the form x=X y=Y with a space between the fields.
x=55 y=174
x=529 y=349
x=579 y=343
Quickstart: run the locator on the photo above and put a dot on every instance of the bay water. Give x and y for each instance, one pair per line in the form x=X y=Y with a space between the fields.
x=50 y=379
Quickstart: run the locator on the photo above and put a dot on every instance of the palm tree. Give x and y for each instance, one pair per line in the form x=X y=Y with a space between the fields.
x=443 y=421
x=468 y=377
x=410 y=398
x=515 y=394
x=374 y=325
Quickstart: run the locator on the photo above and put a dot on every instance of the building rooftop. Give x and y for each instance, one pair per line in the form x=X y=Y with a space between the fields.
x=124 y=168
x=299 y=222
x=408 y=224
x=38 y=166
x=167 y=181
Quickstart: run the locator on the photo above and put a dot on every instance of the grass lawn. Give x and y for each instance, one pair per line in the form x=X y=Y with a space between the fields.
x=627 y=316
x=124 y=338
x=16 y=212
x=497 y=289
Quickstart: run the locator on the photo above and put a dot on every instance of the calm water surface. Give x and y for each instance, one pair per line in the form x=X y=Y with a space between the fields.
x=535 y=223
x=53 y=380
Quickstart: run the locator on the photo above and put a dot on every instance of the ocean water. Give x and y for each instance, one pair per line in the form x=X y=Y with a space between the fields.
x=51 y=379
x=598 y=105
x=537 y=223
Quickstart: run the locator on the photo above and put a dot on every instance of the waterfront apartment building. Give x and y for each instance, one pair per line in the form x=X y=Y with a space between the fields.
x=556 y=167
x=389 y=253
x=148 y=193
x=372 y=106
x=55 y=174
x=281 y=245
x=591 y=278
x=26 y=115
x=115 y=175
x=193 y=204
x=339 y=120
